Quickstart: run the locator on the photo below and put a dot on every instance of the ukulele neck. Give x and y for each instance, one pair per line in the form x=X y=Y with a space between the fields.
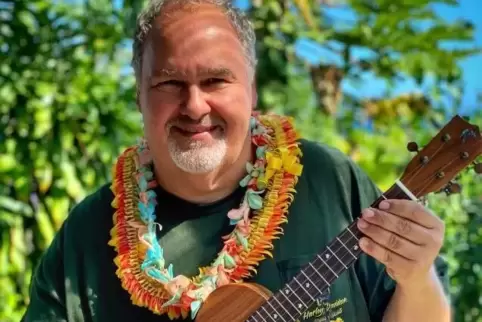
x=289 y=303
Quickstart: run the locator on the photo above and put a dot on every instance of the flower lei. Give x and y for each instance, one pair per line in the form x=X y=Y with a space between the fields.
x=140 y=261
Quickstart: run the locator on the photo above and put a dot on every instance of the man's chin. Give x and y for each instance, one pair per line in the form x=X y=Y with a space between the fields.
x=186 y=144
x=198 y=161
x=194 y=146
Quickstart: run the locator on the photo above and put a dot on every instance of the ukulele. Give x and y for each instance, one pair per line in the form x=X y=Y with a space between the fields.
x=454 y=148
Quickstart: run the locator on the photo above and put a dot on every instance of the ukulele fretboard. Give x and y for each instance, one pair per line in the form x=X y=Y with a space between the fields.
x=289 y=303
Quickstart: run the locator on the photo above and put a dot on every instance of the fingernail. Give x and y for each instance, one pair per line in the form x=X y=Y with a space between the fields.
x=362 y=223
x=384 y=205
x=363 y=242
x=368 y=213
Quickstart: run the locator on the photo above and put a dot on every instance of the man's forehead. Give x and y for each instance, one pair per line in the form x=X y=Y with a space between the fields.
x=172 y=12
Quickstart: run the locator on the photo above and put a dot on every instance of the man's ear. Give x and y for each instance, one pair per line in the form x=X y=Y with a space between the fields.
x=138 y=98
x=254 y=91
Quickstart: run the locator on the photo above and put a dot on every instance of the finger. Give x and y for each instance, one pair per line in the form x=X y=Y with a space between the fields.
x=398 y=225
x=412 y=211
x=389 y=240
x=385 y=256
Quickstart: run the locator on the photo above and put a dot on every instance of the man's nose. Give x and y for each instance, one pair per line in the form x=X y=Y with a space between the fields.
x=195 y=105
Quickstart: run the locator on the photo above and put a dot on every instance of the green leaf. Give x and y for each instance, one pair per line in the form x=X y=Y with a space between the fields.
x=254 y=201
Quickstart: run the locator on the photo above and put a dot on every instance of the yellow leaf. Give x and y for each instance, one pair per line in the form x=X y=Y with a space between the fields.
x=304 y=7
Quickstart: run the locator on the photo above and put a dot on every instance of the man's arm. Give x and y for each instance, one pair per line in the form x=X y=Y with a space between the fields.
x=406 y=237
x=428 y=302
x=386 y=300
x=47 y=290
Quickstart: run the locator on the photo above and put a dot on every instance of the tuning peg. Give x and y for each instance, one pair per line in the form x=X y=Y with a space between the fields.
x=455 y=188
x=452 y=188
x=412 y=147
x=478 y=168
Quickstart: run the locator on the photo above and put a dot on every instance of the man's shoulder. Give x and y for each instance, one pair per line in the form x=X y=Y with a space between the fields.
x=92 y=214
x=325 y=165
x=97 y=201
x=318 y=156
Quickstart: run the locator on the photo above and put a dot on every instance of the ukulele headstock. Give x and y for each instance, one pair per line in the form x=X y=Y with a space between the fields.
x=455 y=147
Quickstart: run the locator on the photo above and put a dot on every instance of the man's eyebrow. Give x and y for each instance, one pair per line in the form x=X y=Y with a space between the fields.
x=215 y=72
x=165 y=72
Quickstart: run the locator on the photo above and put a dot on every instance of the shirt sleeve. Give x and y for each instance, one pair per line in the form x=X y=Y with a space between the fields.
x=47 y=291
x=378 y=287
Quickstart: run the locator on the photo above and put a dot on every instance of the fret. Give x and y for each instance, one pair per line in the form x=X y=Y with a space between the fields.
x=307 y=279
x=317 y=272
x=295 y=294
x=329 y=267
x=310 y=283
x=289 y=301
x=276 y=314
x=305 y=294
x=261 y=316
x=354 y=236
x=318 y=275
x=267 y=313
x=287 y=293
x=303 y=288
x=252 y=319
x=347 y=249
x=328 y=247
x=274 y=297
x=348 y=243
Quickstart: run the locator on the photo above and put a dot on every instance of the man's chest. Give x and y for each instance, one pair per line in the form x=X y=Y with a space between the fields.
x=189 y=247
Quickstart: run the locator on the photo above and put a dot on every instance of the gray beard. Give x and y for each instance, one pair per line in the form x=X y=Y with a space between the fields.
x=198 y=158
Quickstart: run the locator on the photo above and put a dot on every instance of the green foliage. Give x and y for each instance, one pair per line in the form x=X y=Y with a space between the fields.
x=67 y=108
x=66 y=111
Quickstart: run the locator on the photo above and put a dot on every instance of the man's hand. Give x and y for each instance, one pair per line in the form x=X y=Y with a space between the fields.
x=405 y=237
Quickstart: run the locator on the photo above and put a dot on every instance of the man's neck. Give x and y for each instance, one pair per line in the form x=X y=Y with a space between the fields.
x=206 y=188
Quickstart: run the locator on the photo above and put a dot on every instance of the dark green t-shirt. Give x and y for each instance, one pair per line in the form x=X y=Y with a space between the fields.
x=76 y=279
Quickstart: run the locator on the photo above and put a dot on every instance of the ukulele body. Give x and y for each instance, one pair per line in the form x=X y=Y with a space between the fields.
x=233 y=303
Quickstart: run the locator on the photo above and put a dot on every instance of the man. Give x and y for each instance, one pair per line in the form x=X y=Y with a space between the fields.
x=209 y=167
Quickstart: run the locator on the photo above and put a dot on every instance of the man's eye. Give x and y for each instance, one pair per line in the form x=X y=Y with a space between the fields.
x=213 y=81
x=168 y=83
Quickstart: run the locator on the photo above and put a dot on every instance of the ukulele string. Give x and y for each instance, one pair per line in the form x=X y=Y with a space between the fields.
x=315 y=278
x=339 y=263
x=420 y=166
x=434 y=177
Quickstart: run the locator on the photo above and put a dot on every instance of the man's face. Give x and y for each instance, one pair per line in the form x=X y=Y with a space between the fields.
x=196 y=93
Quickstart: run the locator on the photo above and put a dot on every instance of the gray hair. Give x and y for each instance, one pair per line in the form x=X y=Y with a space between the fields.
x=238 y=19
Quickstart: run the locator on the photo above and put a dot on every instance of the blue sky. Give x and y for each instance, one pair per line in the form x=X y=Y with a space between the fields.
x=472 y=67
